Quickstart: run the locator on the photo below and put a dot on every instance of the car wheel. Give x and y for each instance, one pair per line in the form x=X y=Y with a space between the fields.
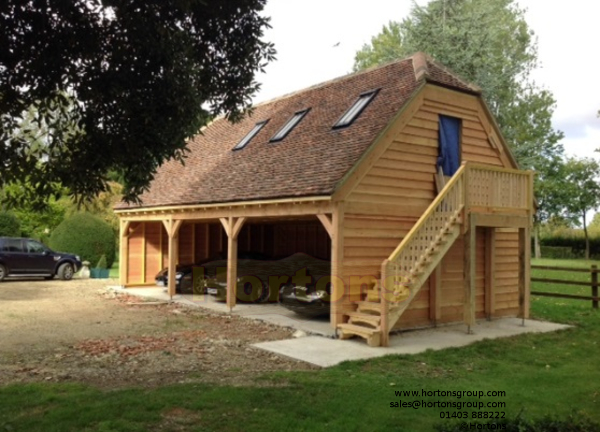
x=265 y=294
x=65 y=271
x=2 y=272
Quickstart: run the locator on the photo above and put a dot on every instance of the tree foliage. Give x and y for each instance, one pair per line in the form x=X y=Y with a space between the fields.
x=117 y=86
x=87 y=236
x=581 y=191
x=9 y=225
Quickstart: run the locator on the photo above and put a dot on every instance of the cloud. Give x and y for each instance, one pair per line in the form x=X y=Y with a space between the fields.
x=578 y=126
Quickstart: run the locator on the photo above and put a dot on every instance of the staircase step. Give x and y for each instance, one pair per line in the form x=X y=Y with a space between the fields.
x=373 y=336
x=373 y=296
x=367 y=306
x=364 y=318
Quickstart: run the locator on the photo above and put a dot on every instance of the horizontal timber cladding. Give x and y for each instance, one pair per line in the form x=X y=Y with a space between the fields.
x=403 y=174
x=453 y=285
x=507 y=272
x=479 y=141
x=153 y=252
x=135 y=268
x=368 y=241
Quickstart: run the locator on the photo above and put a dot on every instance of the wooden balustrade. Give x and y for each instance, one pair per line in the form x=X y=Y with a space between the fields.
x=498 y=188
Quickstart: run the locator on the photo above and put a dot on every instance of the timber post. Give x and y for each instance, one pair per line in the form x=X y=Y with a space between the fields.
x=490 y=272
x=232 y=227
x=123 y=251
x=469 y=271
x=172 y=227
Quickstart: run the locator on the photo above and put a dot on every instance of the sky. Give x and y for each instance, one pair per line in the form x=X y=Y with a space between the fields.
x=306 y=35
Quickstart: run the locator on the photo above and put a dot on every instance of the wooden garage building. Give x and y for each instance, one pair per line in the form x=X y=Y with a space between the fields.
x=397 y=174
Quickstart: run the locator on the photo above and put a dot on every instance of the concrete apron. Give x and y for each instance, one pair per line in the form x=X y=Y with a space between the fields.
x=329 y=352
x=319 y=347
x=271 y=313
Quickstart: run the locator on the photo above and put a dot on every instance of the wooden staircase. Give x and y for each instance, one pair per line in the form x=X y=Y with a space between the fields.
x=406 y=270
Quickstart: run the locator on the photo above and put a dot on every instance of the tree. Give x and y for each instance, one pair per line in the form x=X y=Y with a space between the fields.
x=583 y=191
x=594 y=225
x=118 y=86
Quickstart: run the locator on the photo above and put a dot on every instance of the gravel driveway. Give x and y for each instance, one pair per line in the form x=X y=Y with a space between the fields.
x=80 y=332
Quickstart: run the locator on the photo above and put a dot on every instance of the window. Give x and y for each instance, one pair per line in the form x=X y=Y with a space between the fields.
x=35 y=247
x=12 y=245
x=355 y=110
x=449 y=142
x=287 y=128
x=256 y=129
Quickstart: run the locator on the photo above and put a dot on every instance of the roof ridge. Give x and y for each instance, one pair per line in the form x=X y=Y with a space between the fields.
x=332 y=81
x=427 y=58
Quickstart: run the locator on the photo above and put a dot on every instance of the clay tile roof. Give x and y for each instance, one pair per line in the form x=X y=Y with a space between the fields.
x=312 y=158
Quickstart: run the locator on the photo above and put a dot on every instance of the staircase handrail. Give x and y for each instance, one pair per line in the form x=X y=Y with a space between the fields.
x=430 y=210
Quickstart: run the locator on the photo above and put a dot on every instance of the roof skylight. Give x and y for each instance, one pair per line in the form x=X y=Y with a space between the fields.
x=256 y=129
x=356 y=109
x=287 y=128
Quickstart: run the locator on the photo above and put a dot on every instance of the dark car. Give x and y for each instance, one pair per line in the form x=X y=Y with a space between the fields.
x=184 y=272
x=260 y=280
x=308 y=301
x=28 y=257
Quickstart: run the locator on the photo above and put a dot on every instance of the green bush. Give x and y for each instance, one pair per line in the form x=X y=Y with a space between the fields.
x=573 y=423
x=9 y=225
x=87 y=236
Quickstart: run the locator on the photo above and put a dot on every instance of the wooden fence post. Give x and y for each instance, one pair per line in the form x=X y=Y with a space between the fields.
x=595 y=286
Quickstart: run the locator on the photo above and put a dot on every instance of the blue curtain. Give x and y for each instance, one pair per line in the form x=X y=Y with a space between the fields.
x=449 y=158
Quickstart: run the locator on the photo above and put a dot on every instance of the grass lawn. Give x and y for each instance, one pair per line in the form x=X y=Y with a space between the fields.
x=114 y=271
x=557 y=374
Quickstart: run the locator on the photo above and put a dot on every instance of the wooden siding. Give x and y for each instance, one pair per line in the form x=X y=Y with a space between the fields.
x=368 y=240
x=507 y=272
x=399 y=186
x=136 y=254
x=153 y=254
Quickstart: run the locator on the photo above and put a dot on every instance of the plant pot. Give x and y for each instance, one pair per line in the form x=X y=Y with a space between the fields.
x=97 y=273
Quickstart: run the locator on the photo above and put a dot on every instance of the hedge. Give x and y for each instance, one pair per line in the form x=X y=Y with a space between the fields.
x=85 y=235
x=9 y=225
x=577 y=245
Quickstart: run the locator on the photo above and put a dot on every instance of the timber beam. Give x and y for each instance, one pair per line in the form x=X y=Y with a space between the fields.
x=500 y=220
x=327 y=224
